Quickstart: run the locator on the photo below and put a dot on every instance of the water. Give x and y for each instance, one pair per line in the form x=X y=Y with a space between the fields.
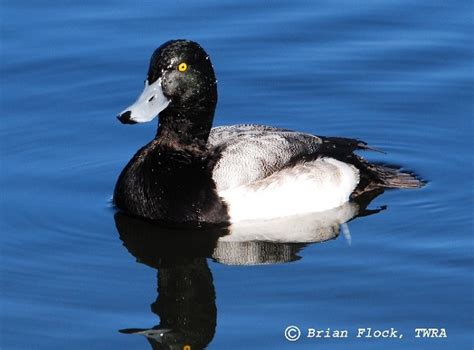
x=397 y=74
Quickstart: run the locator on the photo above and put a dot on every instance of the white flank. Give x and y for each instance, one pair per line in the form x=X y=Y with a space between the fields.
x=313 y=186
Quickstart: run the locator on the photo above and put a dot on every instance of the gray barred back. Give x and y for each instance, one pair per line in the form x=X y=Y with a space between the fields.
x=252 y=152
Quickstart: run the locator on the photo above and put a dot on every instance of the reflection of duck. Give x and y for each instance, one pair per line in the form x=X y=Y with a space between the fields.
x=186 y=306
x=192 y=175
x=247 y=243
x=186 y=295
x=278 y=240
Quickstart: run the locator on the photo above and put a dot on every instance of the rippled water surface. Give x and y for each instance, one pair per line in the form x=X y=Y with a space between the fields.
x=397 y=74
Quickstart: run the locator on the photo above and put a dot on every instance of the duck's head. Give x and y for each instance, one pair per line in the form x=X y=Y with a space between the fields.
x=180 y=87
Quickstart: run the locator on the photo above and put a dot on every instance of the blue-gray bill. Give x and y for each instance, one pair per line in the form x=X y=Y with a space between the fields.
x=151 y=102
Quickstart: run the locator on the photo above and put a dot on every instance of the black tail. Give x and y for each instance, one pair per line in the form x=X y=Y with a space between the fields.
x=391 y=177
x=372 y=176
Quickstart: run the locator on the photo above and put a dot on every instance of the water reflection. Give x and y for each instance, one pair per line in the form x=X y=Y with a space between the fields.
x=186 y=305
x=186 y=295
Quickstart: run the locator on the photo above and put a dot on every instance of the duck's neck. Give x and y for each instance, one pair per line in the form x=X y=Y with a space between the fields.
x=185 y=128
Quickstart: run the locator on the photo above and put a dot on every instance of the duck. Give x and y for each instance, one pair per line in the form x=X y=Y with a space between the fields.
x=194 y=175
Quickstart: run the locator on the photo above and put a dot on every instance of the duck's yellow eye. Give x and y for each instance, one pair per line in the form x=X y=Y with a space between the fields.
x=182 y=67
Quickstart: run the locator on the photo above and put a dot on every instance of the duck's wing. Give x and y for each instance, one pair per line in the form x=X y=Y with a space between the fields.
x=249 y=153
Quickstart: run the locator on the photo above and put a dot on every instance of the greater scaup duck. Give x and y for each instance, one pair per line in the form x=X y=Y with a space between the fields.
x=192 y=175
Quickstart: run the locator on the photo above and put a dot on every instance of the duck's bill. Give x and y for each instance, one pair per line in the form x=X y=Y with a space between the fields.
x=151 y=102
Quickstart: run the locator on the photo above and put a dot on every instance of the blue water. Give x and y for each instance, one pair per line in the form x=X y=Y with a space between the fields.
x=397 y=74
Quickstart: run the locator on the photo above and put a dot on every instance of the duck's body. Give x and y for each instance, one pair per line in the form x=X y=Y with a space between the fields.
x=170 y=185
x=192 y=175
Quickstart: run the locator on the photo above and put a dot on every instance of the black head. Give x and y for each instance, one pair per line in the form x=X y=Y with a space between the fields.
x=180 y=86
x=186 y=72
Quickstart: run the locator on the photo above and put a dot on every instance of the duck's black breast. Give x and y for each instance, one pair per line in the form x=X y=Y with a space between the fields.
x=170 y=185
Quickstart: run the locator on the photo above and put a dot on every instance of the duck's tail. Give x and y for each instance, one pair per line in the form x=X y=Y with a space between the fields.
x=380 y=176
x=392 y=177
x=372 y=175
